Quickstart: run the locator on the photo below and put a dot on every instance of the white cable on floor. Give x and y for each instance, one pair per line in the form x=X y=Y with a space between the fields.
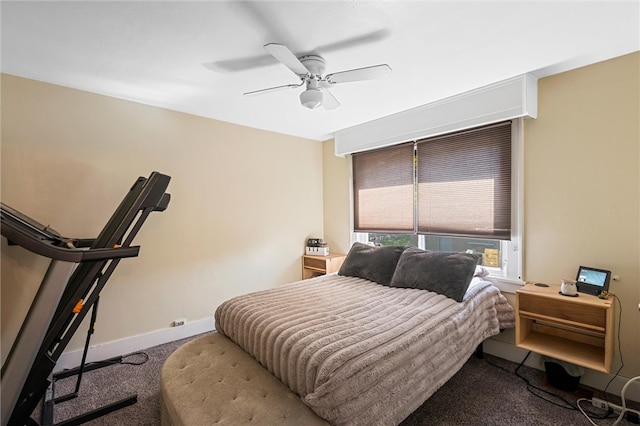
x=583 y=412
x=624 y=403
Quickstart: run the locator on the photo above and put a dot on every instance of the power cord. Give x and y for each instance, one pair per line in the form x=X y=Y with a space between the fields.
x=609 y=411
x=604 y=392
x=567 y=405
x=623 y=409
x=145 y=358
x=117 y=360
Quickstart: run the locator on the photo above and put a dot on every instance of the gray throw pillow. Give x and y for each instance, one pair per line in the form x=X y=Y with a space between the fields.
x=375 y=264
x=446 y=273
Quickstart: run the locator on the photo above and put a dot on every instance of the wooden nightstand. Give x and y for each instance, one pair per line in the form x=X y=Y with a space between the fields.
x=578 y=330
x=312 y=265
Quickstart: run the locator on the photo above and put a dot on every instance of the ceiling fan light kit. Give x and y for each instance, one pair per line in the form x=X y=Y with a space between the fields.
x=310 y=70
x=311 y=98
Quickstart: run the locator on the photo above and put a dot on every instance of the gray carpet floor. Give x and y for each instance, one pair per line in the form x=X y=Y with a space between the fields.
x=484 y=392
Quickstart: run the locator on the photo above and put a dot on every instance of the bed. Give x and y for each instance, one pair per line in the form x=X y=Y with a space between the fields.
x=361 y=352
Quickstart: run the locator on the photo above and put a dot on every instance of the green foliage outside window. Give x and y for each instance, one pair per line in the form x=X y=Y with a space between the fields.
x=391 y=239
x=441 y=243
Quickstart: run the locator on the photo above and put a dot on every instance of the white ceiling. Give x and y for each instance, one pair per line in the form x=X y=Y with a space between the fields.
x=155 y=52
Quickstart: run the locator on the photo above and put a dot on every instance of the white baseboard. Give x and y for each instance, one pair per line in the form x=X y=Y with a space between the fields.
x=591 y=378
x=135 y=343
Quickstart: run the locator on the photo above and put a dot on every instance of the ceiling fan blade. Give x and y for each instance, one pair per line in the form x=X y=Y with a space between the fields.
x=258 y=61
x=324 y=84
x=272 y=89
x=284 y=55
x=240 y=64
x=356 y=41
x=359 y=74
x=329 y=101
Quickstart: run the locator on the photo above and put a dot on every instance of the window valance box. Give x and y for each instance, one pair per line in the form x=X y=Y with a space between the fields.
x=508 y=99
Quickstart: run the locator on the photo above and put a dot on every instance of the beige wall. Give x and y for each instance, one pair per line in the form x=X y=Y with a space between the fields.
x=237 y=221
x=581 y=188
x=337 y=214
x=582 y=184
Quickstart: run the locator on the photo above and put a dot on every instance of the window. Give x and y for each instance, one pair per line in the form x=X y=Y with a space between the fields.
x=451 y=192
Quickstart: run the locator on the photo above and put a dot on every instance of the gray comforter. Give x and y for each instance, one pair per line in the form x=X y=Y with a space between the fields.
x=360 y=353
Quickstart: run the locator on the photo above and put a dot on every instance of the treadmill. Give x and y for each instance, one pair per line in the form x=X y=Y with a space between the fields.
x=78 y=271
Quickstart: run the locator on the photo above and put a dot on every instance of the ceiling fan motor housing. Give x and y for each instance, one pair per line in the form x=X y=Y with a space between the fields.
x=314 y=63
x=312 y=97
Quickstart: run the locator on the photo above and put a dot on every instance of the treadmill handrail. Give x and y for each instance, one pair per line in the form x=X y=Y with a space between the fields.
x=14 y=234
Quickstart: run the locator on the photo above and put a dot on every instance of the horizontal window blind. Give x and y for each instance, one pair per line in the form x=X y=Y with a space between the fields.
x=383 y=190
x=464 y=183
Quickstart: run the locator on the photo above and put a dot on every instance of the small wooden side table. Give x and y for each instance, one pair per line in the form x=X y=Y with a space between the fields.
x=313 y=266
x=579 y=330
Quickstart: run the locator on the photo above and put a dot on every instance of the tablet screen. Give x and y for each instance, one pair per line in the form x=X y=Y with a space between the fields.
x=593 y=277
x=592 y=280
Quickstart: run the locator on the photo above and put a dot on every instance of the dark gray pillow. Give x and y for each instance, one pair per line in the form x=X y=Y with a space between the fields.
x=446 y=273
x=375 y=264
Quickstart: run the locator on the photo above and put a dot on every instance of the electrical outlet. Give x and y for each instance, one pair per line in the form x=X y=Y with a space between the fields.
x=179 y=322
x=599 y=403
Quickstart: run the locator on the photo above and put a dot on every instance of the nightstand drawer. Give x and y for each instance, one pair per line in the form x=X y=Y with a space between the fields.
x=564 y=310
x=312 y=262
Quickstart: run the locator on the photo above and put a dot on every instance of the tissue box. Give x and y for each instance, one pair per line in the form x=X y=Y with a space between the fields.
x=318 y=251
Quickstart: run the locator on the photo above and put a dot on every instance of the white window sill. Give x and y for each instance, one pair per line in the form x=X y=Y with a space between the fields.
x=506 y=285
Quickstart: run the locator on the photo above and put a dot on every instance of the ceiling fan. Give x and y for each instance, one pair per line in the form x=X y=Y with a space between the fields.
x=310 y=71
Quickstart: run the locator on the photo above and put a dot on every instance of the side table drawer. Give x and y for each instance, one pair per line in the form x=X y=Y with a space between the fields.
x=593 y=316
x=315 y=263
